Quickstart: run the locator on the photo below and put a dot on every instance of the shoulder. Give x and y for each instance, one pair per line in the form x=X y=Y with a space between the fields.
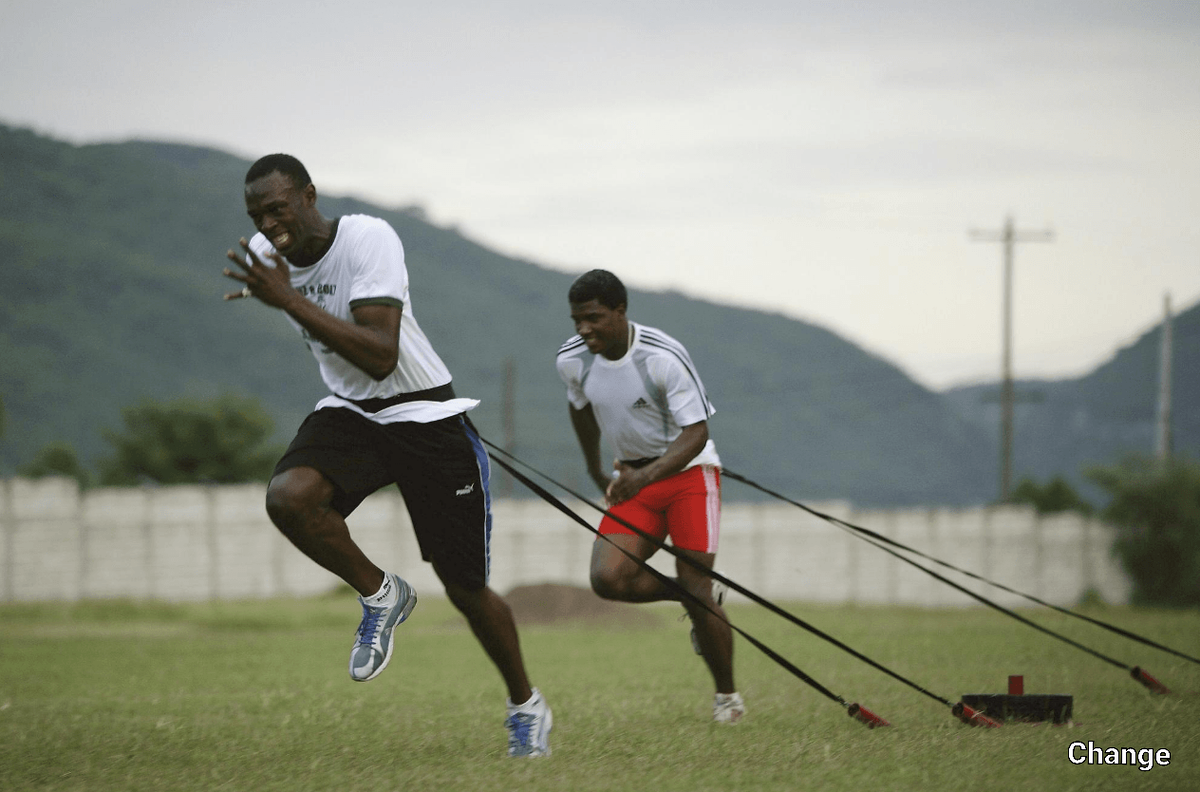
x=570 y=358
x=573 y=348
x=359 y=226
x=656 y=342
x=370 y=246
x=665 y=358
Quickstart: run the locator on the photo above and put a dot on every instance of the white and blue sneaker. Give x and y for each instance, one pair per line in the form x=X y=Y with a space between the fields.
x=719 y=590
x=529 y=727
x=373 y=642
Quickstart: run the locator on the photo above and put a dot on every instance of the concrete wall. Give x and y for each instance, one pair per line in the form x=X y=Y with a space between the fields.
x=196 y=543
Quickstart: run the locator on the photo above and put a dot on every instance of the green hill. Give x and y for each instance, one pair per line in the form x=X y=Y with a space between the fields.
x=112 y=257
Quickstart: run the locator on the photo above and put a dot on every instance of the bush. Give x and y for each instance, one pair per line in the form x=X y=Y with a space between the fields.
x=1052 y=497
x=56 y=459
x=1155 y=507
x=186 y=441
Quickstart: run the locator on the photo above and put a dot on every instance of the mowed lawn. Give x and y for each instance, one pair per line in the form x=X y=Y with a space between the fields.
x=256 y=696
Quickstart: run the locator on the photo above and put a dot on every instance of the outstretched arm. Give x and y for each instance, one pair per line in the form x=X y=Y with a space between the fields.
x=370 y=342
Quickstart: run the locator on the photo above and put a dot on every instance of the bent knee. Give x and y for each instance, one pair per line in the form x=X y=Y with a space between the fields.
x=295 y=495
x=609 y=586
x=283 y=504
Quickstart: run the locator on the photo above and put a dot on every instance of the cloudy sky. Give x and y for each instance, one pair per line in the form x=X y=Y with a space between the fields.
x=825 y=160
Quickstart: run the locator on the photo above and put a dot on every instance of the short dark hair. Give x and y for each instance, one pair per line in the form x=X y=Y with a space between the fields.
x=599 y=285
x=285 y=164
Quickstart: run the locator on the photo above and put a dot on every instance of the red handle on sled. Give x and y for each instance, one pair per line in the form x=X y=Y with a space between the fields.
x=973 y=717
x=864 y=715
x=1152 y=684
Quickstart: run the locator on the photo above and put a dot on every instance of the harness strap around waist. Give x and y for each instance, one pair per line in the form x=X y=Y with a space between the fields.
x=439 y=393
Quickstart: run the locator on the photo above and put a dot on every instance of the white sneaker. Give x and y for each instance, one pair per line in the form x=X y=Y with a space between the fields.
x=373 y=641
x=728 y=708
x=719 y=590
x=529 y=727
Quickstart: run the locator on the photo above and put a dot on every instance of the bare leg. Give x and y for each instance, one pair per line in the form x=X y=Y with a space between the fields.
x=712 y=634
x=299 y=503
x=615 y=576
x=492 y=622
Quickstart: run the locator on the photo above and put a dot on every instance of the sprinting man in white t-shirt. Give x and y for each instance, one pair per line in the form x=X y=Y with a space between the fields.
x=392 y=418
x=637 y=386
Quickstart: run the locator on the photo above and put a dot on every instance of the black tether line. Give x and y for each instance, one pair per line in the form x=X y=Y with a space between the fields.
x=704 y=570
x=1001 y=608
x=868 y=536
x=549 y=498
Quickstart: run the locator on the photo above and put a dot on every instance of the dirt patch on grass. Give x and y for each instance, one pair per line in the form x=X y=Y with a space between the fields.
x=551 y=603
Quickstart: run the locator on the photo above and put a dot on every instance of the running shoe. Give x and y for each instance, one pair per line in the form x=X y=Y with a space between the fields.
x=728 y=708
x=529 y=727
x=373 y=642
x=719 y=590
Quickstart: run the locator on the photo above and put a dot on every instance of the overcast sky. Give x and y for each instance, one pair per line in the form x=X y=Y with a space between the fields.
x=824 y=160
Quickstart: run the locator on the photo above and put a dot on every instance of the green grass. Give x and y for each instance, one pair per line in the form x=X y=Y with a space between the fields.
x=255 y=696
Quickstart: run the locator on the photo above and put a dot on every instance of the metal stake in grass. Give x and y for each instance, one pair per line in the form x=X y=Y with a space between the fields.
x=864 y=715
x=973 y=717
x=1152 y=684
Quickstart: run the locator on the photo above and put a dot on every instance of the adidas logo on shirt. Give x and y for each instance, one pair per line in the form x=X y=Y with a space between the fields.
x=640 y=403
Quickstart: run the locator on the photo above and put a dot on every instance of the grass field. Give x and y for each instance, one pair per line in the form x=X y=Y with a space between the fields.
x=255 y=696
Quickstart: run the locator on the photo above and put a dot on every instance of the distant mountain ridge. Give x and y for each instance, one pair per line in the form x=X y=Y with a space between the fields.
x=113 y=252
x=1062 y=427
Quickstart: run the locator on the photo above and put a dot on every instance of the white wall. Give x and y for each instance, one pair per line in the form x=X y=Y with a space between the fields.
x=196 y=543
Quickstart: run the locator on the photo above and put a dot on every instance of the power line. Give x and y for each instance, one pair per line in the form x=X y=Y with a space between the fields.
x=1008 y=236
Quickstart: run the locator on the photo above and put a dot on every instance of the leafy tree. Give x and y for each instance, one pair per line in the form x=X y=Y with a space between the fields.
x=56 y=459
x=1156 y=508
x=188 y=441
x=1052 y=497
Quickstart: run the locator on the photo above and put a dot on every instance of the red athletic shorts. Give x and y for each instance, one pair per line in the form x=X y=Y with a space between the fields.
x=686 y=507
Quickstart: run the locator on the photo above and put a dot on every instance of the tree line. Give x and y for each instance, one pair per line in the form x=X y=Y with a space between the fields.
x=181 y=441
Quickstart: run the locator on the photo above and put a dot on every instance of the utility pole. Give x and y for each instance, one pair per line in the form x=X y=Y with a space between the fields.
x=1008 y=236
x=1163 y=436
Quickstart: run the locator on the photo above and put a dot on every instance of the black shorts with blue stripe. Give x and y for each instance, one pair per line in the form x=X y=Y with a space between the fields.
x=440 y=468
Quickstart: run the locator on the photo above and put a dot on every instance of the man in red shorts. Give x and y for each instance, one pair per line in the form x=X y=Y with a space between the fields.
x=637 y=386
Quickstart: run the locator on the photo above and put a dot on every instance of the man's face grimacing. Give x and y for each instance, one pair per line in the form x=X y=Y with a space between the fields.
x=603 y=329
x=280 y=211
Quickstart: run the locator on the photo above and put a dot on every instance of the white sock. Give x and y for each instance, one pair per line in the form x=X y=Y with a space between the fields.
x=386 y=596
x=532 y=698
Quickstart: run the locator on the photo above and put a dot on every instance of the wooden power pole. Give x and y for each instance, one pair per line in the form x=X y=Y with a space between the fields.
x=1163 y=435
x=1008 y=236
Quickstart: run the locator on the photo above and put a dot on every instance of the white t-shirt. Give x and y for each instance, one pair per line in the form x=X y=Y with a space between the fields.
x=365 y=266
x=642 y=401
